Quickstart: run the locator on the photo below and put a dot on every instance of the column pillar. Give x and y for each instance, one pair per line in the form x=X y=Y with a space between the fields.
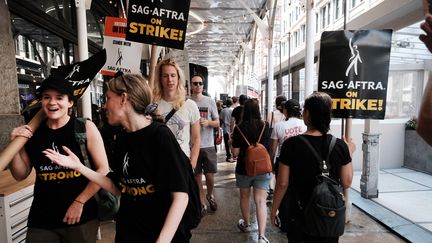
x=370 y=170
x=9 y=95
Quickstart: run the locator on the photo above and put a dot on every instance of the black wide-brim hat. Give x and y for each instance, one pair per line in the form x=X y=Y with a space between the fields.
x=74 y=79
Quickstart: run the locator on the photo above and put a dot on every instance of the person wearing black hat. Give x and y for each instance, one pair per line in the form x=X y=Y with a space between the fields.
x=153 y=183
x=293 y=125
x=63 y=207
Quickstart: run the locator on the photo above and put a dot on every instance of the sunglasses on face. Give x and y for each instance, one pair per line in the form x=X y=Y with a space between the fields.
x=197 y=83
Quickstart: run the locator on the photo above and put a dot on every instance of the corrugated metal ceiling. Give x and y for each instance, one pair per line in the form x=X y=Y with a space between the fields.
x=225 y=25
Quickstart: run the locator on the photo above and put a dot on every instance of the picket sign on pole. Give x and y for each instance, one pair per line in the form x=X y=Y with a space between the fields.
x=153 y=61
x=18 y=143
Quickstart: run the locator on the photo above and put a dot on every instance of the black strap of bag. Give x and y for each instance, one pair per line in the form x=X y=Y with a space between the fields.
x=323 y=164
x=81 y=138
x=170 y=114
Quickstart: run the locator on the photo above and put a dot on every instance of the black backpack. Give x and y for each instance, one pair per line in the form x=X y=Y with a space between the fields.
x=324 y=213
x=107 y=203
x=192 y=215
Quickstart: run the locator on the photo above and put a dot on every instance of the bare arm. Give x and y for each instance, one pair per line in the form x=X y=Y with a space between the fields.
x=232 y=123
x=280 y=189
x=346 y=175
x=273 y=148
x=424 y=127
x=207 y=123
x=196 y=141
x=20 y=166
x=175 y=214
x=72 y=161
x=346 y=171
x=97 y=152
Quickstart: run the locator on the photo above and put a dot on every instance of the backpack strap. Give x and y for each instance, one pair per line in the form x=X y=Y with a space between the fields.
x=259 y=139
x=241 y=133
x=81 y=138
x=262 y=131
x=170 y=114
x=322 y=163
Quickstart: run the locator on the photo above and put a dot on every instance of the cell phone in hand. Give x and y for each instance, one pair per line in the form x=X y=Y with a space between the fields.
x=427 y=6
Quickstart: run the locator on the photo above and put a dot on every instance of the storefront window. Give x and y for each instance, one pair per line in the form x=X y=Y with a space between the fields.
x=404 y=93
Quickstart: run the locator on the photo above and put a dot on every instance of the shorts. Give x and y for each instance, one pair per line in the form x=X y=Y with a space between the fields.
x=207 y=161
x=258 y=182
x=85 y=233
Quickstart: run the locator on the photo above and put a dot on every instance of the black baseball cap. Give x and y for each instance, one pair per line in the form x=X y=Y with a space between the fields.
x=291 y=105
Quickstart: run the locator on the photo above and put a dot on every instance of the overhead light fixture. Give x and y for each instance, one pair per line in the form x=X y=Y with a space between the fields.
x=195 y=16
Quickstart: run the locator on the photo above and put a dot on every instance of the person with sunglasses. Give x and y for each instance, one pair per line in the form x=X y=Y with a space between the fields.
x=170 y=95
x=152 y=183
x=207 y=159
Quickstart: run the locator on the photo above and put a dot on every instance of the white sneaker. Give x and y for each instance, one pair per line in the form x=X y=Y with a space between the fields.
x=262 y=239
x=243 y=226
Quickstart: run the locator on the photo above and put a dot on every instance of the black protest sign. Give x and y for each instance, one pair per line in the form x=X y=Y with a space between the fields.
x=75 y=78
x=353 y=70
x=158 y=22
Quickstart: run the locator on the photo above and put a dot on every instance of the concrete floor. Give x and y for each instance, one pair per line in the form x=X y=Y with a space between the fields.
x=221 y=226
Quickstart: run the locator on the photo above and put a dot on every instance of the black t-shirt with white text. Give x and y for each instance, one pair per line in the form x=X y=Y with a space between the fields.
x=147 y=168
x=56 y=187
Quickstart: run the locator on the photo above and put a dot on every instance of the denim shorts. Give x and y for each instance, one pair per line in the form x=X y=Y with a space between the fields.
x=259 y=182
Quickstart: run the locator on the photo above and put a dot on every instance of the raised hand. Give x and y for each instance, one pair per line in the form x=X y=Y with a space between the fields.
x=71 y=161
x=21 y=131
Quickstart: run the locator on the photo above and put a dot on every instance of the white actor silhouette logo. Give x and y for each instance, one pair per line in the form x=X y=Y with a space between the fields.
x=126 y=164
x=75 y=69
x=354 y=59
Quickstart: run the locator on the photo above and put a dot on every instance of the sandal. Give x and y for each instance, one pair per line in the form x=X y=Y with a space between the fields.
x=212 y=202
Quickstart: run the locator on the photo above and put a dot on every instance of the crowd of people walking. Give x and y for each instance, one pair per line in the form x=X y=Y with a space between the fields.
x=164 y=133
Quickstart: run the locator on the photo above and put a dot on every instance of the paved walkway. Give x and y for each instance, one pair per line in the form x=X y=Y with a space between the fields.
x=404 y=202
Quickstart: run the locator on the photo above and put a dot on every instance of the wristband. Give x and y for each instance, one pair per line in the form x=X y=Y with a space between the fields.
x=79 y=202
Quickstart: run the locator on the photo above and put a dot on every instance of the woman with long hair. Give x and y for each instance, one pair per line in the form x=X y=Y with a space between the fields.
x=298 y=168
x=152 y=182
x=251 y=126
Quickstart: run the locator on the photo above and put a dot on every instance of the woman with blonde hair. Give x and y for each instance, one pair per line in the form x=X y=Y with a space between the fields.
x=152 y=183
x=181 y=114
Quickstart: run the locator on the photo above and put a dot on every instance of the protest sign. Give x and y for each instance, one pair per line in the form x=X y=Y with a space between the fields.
x=353 y=70
x=161 y=23
x=122 y=55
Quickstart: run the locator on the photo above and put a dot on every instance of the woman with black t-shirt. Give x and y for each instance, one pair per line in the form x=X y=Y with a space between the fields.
x=149 y=169
x=63 y=207
x=251 y=126
x=298 y=166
